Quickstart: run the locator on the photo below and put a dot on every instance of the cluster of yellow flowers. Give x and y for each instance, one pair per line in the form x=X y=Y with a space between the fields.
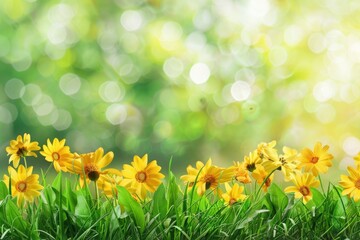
x=302 y=169
x=141 y=177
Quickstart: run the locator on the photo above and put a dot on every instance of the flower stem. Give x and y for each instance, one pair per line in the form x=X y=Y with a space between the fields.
x=97 y=195
x=25 y=162
x=321 y=184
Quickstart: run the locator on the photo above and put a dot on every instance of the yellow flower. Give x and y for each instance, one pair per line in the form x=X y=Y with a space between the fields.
x=266 y=150
x=233 y=194
x=59 y=154
x=21 y=148
x=287 y=163
x=142 y=176
x=317 y=161
x=303 y=183
x=90 y=166
x=241 y=173
x=24 y=184
x=210 y=176
x=252 y=161
x=351 y=184
x=192 y=174
x=260 y=174
x=108 y=184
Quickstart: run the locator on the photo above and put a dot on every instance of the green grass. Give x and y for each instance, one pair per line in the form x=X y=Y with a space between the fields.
x=64 y=212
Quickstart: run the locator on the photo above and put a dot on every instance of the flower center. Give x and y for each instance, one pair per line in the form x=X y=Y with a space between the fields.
x=314 y=160
x=232 y=201
x=251 y=167
x=141 y=176
x=55 y=156
x=357 y=184
x=92 y=172
x=21 y=186
x=304 y=190
x=21 y=151
x=209 y=180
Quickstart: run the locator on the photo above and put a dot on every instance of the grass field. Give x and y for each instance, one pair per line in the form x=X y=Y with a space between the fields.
x=209 y=202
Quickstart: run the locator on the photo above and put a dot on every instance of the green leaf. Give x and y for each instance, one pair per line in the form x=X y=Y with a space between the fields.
x=82 y=208
x=131 y=206
x=3 y=190
x=318 y=197
x=57 y=181
x=158 y=202
x=277 y=197
x=14 y=217
x=70 y=196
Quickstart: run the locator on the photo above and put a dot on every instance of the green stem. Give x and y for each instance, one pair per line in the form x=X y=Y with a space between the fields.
x=321 y=184
x=25 y=162
x=258 y=191
x=96 y=195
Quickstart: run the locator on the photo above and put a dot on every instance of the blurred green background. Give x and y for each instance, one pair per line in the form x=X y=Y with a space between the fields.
x=182 y=79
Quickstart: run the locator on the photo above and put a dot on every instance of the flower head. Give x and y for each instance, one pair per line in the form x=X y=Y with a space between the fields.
x=24 y=184
x=241 y=173
x=317 y=161
x=351 y=183
x=141 y=176
x=58 y=153
x=21 y=147
x=90 y=165
x=303 y=183
x=233 y=194
x=252 y=161
x=193 y=173
x=262 y=176
x=266 y=150
x=208 y=176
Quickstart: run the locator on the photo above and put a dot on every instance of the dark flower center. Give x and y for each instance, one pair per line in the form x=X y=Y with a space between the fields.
x=314 y=160
x=141 y=176
x=304 y=190
x=21 y=186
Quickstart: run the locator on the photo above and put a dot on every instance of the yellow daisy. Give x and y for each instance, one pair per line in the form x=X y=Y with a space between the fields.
x=266 y=150
x=241 y=173
x=108 y=184
x=317 y=161
x=233 y=194
x=252 y=161
x=58 y=153
x=21 y=147
x=286 y=163
x=303 y=183
x=208 y=176
x=260 y=174
x=142 y=176
x=192 y=173
x=351 y=183
x=24 y=184
x=90 y=166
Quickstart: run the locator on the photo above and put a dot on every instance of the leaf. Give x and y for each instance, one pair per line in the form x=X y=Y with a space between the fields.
x=82 y=208
x=278 y=198
x=70 y=196
x=318 y=197
x=251 y=217
x=159 y=206
x=14 y=217
x=3 y=190
x=131 y=206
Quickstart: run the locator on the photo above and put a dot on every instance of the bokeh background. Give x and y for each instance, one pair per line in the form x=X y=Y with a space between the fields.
x=183 y=79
